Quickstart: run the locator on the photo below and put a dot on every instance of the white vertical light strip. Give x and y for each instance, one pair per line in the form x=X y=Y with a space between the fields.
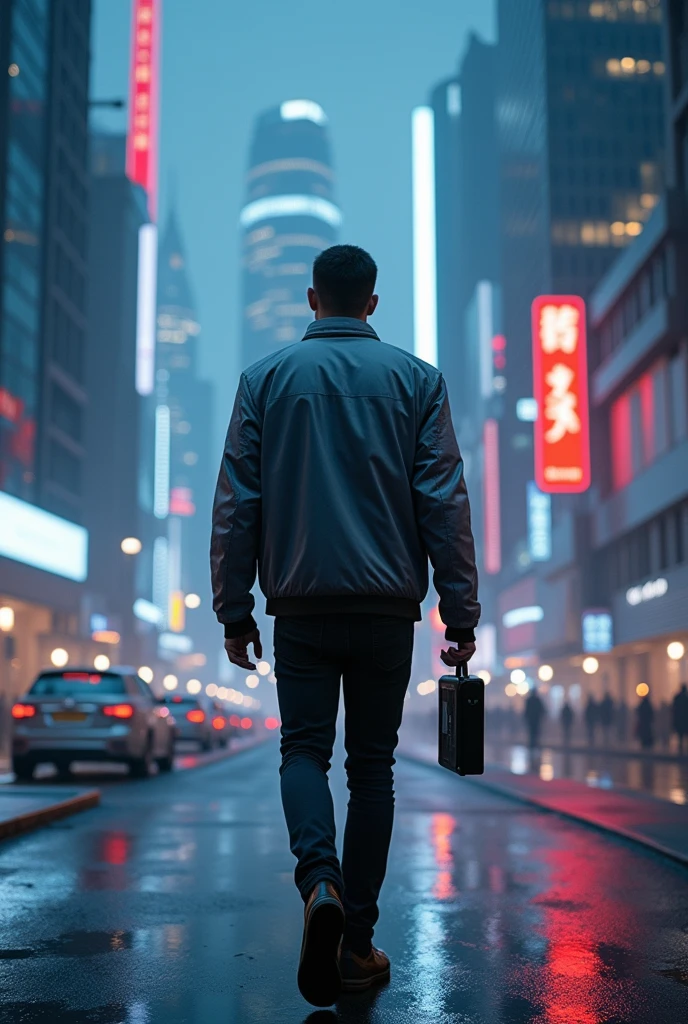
x=146 y=308
x=160 y=576
x=161 y=481
x=485 y=336
x=424 y=245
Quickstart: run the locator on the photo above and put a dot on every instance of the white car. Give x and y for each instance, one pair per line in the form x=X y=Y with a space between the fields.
x=83 y=715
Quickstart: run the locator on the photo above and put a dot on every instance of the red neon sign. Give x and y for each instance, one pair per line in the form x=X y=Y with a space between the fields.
x=142 y=136
x=492 y=522
x=560 y=376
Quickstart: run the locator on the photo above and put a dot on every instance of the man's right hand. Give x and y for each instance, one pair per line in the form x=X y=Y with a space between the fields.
x=457 y=655
x=237 y=649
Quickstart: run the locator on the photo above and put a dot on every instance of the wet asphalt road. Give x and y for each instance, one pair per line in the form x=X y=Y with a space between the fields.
x=173 y=903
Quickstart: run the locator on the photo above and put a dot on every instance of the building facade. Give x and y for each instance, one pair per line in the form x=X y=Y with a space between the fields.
x=44 y=184
x=289 y=217
x=580 y=119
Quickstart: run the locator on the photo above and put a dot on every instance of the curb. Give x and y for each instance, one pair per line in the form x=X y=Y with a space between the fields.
x=616 y=830
x=44 y=815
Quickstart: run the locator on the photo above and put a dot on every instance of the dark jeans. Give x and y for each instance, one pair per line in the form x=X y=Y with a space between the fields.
x=372 y=655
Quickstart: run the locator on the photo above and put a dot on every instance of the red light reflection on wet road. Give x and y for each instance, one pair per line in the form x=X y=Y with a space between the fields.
x=442 y=828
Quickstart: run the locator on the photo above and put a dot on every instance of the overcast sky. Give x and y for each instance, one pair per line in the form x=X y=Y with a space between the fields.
x=367 y=62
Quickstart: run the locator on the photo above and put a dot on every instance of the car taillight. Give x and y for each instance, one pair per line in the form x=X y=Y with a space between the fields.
x=235 y=720
x=219 y=722
x=23 y=711
x=196 y=716
x=246 y=723
x=118 y=710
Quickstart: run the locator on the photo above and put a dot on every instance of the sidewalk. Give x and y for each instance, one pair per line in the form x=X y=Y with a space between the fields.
x=583 y=748
x=660 y=825
x=26 y=807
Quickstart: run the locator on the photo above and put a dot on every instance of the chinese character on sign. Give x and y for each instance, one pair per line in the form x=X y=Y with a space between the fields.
x=560 y=404
x=140 y=141
x=143 y=73
x=559 y=328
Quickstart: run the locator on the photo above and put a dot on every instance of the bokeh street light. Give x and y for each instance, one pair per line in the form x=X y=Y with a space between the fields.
x=590 y=666
x=263 y=667
x=252 y=681
x=642 y=689
x=59 y=657
x=170 y=682
x=194 y=686
x=101 y=662
x=131 y=546
x=429 y=686
x=146 y=674
x=518 y=676
x=485 y=676
x=675 y=649
x=6 y=619
x=545 y=673
x=192 y=601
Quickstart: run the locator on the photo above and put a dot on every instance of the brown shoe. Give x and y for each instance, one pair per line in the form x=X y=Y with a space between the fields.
x=320 y=982
x=359 y=973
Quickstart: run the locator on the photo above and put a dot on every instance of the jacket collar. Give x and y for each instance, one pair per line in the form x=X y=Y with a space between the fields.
x=341 y=327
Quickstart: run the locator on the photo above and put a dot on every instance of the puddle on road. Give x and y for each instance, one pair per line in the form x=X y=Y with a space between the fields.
x=74 y=944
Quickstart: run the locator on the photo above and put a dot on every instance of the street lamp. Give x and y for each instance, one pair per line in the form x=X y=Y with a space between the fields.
x=590 y=666
x=192 y=601
x=59 y=657
x=545 y=673
x=131 y=546
x=252 y=681
x=518 y=676
x=146 y=674
x=170 y=682
x=194 y=686
x=675 y=649
x=101 y=662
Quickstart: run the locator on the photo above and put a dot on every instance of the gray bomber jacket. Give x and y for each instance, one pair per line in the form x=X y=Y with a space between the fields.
x=341 y=474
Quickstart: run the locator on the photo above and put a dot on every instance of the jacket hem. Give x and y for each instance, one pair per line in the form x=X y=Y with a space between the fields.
x=345 y=604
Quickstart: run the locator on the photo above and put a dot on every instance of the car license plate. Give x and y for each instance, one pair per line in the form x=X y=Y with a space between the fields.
x=69 y=716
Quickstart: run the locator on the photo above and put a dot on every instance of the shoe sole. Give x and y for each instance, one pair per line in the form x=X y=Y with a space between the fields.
x=360 y=984
x=319 y=977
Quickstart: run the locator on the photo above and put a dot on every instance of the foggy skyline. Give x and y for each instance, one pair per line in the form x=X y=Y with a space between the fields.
x=221 y=69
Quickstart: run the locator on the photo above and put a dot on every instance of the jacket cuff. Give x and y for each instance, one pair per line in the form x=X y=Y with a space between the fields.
x=458 y=636
x=240 y=628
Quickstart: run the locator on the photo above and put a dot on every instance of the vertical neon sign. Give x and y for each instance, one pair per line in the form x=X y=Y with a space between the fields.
x=142 y=136
x=560 y=381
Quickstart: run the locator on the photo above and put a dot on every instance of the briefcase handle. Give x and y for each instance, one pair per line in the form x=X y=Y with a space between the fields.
x=462 y=670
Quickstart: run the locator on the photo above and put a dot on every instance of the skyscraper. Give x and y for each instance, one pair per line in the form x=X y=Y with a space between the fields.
x=289 y=217
x=581 y=133
x=187 y=401
x=44 y=55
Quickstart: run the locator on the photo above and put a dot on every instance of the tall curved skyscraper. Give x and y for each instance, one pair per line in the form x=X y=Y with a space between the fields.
x=289 y=217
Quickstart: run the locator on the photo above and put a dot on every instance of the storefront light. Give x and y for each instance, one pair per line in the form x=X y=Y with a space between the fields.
x=6 y=619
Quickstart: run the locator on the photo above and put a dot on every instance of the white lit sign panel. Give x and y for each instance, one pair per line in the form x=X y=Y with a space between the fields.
x=597 y=630
x=648 y=592
x=176 y=642
x=146 y=611
x=424 y=246
x=521 y=616
x=539 y=524
x=161 y=496
x=38 y=538
x=526 y=410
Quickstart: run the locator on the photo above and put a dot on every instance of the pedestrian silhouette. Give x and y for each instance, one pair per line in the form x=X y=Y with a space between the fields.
x=566 y=721
x=679 y=716
x=644 y=723
x=591 y=716
x=534 y=713
x=605 y=714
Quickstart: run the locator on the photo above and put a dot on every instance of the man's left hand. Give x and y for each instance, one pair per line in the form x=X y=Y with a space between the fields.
x=237 y=649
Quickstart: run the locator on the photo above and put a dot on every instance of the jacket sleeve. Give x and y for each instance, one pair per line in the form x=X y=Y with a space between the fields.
x=444 y=517
x=237 y=518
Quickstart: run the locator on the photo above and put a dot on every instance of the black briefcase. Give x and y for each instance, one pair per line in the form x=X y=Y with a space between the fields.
x=461 y=746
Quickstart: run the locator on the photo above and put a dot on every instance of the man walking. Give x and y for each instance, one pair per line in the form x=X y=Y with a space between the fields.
x=341 y=475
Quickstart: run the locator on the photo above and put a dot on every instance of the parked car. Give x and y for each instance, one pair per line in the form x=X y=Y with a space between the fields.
x=82 y=715
x=194 y=718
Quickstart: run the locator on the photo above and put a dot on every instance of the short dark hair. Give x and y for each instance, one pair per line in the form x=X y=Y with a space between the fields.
x=344 y=279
